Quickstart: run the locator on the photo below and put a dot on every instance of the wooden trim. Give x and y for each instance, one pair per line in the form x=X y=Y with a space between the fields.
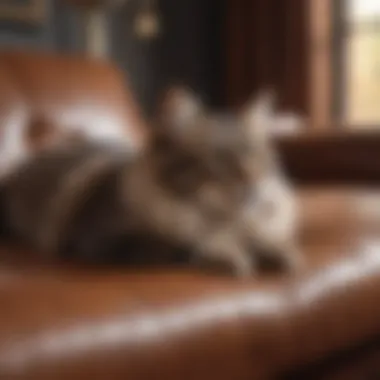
x=321 y=63
x=35 y=12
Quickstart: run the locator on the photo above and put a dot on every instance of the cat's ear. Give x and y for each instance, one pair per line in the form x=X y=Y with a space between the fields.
x=259 y=115
x=179 y=109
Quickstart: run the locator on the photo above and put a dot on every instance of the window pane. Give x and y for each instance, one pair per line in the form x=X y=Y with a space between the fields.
x=362 y=9
x=363 y=63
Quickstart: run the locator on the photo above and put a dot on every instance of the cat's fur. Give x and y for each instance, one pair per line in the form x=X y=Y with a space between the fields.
x=209 y=183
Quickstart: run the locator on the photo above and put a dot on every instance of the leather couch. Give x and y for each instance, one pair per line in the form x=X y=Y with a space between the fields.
x=60 y=322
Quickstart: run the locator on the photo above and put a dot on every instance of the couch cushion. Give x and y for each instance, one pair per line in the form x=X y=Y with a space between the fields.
x=60 y=323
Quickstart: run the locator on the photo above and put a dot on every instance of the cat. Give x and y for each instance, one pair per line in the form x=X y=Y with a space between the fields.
x=226 y=184
x=206 y=184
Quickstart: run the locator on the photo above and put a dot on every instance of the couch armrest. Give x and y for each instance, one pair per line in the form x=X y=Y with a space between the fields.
x=346 y=158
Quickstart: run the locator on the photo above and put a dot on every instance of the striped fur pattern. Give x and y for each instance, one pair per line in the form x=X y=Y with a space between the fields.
x=209 y=183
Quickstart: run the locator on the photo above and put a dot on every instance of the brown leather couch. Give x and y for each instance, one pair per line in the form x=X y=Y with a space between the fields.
x=77 y=323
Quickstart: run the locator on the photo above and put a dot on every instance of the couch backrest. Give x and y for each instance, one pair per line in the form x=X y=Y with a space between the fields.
x=66 y=91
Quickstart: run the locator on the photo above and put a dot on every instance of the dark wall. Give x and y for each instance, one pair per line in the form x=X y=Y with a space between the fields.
x=188 y=50
x=226 y=50
x=191 y=50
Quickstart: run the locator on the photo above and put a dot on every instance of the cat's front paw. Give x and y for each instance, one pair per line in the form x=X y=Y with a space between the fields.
x=283 y=257
x=234 y=264
x=224 y=253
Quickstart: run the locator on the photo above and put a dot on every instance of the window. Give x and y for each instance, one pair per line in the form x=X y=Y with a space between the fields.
x=361 y=59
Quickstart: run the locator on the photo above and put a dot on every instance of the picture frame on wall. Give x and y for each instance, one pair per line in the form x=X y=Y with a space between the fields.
x=25 y=11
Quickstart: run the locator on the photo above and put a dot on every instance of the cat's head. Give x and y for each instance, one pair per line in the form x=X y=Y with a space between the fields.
x=211 y=158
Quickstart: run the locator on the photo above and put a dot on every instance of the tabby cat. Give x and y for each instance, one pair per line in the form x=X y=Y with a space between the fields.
x=207 y=184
